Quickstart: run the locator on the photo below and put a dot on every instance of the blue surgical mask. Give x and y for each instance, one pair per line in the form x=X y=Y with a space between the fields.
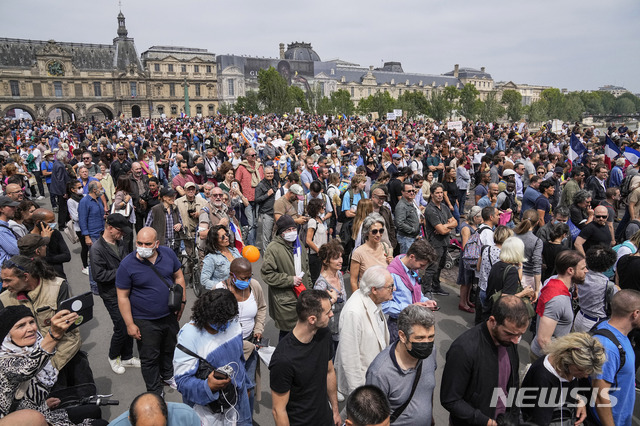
x=220 y=328
x=241 y=285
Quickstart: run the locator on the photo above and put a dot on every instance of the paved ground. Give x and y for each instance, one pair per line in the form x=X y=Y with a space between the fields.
x=96 y=335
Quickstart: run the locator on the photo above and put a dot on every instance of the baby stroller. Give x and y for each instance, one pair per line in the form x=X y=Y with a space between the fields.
x=454 y=251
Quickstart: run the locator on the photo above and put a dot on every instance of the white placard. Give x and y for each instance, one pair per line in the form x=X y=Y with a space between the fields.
x=397 y=112
x=391 y=116
x=455 y=125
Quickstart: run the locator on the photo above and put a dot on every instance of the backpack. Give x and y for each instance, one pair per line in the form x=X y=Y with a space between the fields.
x=609 y=335
x=472 y=249
x=625 y=187
x=610 y=273
x=342 y=217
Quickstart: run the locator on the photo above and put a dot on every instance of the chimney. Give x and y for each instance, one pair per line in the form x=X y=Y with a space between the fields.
x=482 y=69
x=370 y=67
x=281 y=50
x=456 y=68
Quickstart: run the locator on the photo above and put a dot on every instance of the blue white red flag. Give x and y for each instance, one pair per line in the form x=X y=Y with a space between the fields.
x=576 y=149
x=611 y=152
x=632 y=155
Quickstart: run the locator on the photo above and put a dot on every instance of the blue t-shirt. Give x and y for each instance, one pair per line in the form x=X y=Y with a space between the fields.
x=149 y=295
x=48 y=166
x=179 y=414
x=625 y=394
x=347 y=203
x=542 y=203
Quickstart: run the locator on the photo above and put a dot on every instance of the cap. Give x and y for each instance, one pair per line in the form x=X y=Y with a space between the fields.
x=190 y=185
x=397 y=156
x=558 y=170
x=284 y=222
x=64 y=146
x=119 y=221
x=317 y=147
x=296 y=189
x=30 y=242
x=167 y=192
x=7 y=202
x=9 y=316
x=508 y=172
x=47 y=152
x=121 y=151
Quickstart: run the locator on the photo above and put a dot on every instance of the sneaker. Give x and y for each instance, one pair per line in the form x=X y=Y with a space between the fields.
x=439 y=291
x=85 y=270
x=115 y=366
x=171 y=382
x=41 y=197
x=133 y=362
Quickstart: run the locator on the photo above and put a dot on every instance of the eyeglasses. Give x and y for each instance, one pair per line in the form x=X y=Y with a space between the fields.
x=251 y=155
x=540 y=173
x=216 y=195
x=375 y=231
x=389 y=287
x=223 y=236
x=86 y=158
x=411 y=191
x=601 y=217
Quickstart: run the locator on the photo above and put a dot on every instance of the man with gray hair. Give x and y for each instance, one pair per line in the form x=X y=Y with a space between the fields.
x=406 y=370
x=265 y=198
x=58 y=188
x=363 y=326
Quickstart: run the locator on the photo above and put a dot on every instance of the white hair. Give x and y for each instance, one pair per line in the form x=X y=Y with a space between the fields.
x=374 y=277
x=61 y=154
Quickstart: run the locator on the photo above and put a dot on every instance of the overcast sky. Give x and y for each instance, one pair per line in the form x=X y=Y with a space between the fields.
x=578 y=45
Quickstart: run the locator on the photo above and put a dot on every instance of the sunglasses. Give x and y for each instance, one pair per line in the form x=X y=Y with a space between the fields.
x=223 y=236
x=375 y=231
x=601 y=217
x=411 y=191
x=251 y=155
x=216 y=195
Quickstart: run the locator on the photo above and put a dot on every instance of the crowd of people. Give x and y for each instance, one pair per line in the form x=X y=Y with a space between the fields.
x=355 y=221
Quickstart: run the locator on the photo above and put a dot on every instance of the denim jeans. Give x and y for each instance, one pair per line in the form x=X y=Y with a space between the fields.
x=250 y=367
x=252 y=219
x=92 y=282
x=267 y=229
x=404 y=242
x=156 y=347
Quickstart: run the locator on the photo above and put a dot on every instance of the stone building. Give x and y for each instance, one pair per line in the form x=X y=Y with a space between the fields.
x=49 y=79
x=530 y=92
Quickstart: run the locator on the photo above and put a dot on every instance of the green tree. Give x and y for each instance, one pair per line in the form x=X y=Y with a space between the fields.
x=538 y=111
x=608 y=102
x=491 y=110
x=451 y=94
x=380 y=102
x=624 y=106
x=342 y=103
x=555 y=102
x=324 y=106
x=249 y=104
x=226 y=109
x=413 y=103
x=273 y=91
x=468 y=96
x=298 y=99
x=513 y=100
x=592 y=102
x=439 y=107
x=573 y=107
x=633 y=98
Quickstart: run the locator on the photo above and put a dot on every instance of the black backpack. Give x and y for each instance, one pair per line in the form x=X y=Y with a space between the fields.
x=341 y=216
x=625 y=187
x=595 y=331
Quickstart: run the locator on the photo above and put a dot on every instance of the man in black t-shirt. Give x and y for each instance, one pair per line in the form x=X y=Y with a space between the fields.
x=395 y=186
x=303 y=381
x=595 y=233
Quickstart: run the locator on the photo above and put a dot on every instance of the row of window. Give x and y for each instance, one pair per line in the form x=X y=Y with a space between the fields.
x=15 y=88
x=183 y=68
x=174 y=109
x=97 y=89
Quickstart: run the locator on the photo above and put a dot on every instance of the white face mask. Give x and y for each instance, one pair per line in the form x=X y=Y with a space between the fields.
x=290 y=236
x=144 y=252
x=79 y=191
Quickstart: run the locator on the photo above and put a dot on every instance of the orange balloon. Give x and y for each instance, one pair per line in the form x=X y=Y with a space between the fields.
x=251 y=253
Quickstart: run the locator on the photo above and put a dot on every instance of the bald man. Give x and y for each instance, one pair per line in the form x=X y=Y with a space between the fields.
x=595 y=233
x=151 y=269
x=14 y=191
x=148 y=409
x=58 y=253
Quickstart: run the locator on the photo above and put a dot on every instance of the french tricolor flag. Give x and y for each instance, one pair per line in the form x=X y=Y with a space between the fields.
x=238 y=236
x=611 y=152
x=632 y=155
x=576 y=149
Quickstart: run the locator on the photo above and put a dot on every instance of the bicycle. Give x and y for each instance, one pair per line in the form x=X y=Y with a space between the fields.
x=190 y=265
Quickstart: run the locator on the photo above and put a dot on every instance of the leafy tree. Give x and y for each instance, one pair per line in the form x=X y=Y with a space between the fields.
x=490 y=109
x=413 y=103
x=608 y=102
x=439 y=107
x=592 y=102
x=249 y=104
x=297 y=98
x=468 y=97
x=555 y=102
x=342 y=103
x=573 y=107
x=451 y=93
x=624 y=106
x=226 y=109
x=513 y=100
x=380 y=102
x=273 y=91
x=538 y=111
x=324 y=106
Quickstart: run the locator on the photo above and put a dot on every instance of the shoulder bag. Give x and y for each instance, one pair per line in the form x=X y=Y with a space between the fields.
x=398 y=411
x=175 y=290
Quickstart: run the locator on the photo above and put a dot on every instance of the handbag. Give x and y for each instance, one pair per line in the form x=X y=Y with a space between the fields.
x=175 y=290
x=227 y=396
x=126 y=211
x=398 y=411
x=70 y=232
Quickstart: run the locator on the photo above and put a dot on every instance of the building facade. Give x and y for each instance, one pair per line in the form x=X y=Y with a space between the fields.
x=530 y=92
x=79 y=81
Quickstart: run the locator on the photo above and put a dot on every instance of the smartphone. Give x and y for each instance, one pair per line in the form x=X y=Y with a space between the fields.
x=220 y=375
x=234 y=185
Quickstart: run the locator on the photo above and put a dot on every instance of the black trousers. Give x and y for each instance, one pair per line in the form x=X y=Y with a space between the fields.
x=63 y=212
x=76 y=372
x=432 y=274
x=121 y=343
x=314 y=266
x=38 y=176
x=159 y=340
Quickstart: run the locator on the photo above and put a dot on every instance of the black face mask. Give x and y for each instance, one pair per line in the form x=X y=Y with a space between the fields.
x=420 y=350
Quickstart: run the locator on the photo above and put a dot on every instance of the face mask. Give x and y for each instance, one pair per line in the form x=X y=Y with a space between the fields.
x=79 y=191
x=145 y=252
x=241 y=285
x=290 y=236
x=220 y=328
x=420 y=350
x=53 y=225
